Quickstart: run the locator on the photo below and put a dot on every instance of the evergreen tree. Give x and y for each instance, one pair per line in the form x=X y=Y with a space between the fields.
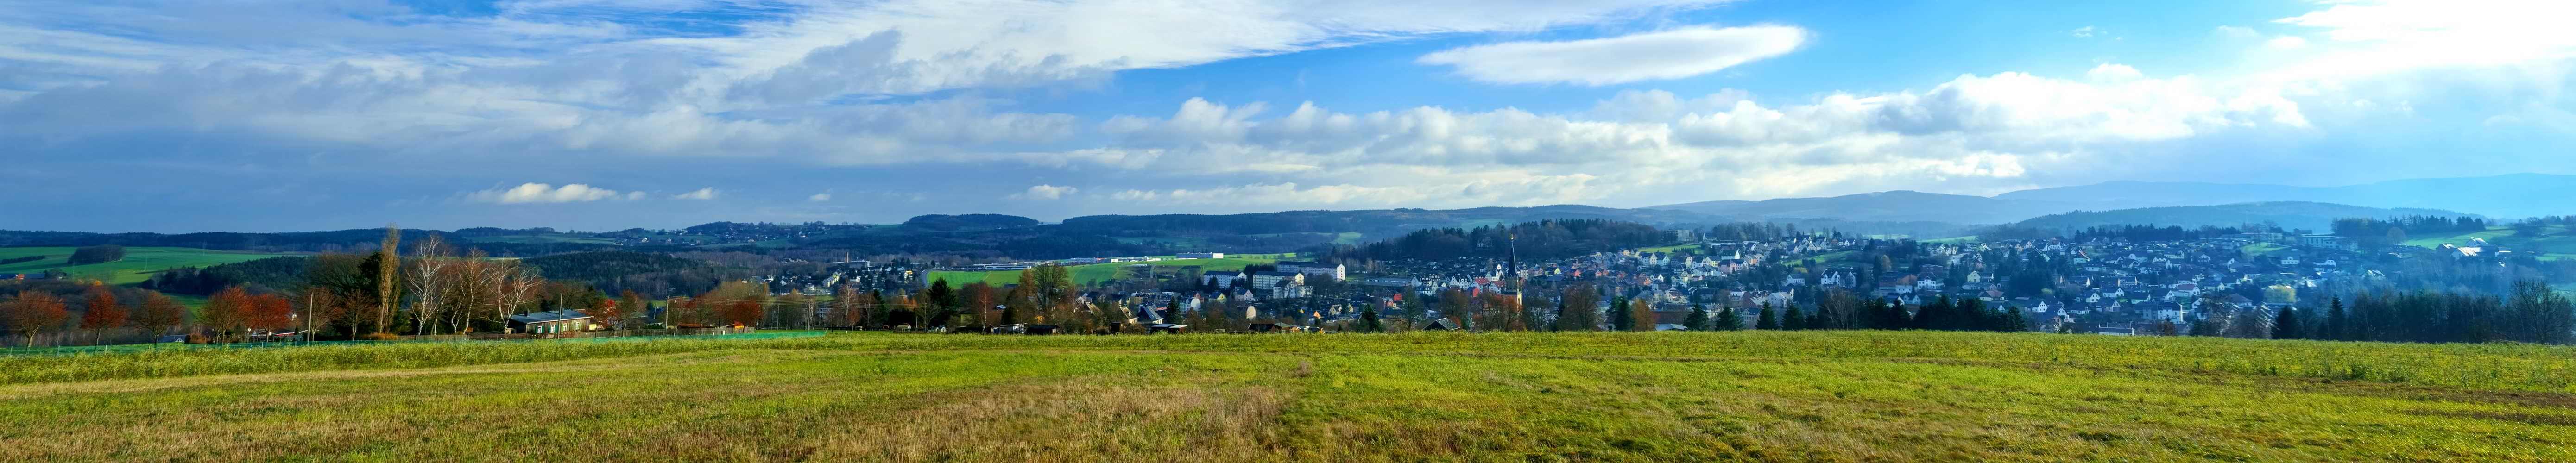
x=1728 y=320
x=2013 y=321
x=1891 y=316
x=1793 y=319
x=1933 y=316
x=2338 y=324
x=2286 y=325
x=1766 y=320
x=1698 y=319
x=2207 y=326
x=1619 y=319
x=1368 y=320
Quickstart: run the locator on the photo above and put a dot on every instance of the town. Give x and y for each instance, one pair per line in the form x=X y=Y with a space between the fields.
x=2150 y=281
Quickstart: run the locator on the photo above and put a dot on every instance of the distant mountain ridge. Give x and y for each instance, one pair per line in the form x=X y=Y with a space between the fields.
x=2501 y=196
x=2288 y=214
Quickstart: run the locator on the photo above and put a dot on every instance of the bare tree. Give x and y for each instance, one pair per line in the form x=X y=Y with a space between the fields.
x=430 y=280
x=512 y=284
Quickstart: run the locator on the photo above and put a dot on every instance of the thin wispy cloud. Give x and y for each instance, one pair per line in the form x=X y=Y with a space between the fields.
x=1670 y=54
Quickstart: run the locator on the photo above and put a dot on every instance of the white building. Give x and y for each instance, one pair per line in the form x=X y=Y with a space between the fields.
x=1317 y=269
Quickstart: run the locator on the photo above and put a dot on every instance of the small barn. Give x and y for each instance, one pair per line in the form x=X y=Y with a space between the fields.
x=1262 y=328
x=1439 y=324
x=1166 y=328
x=550 y=322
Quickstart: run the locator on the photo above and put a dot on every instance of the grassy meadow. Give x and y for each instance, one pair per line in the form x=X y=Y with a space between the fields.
x=1822 y=396
x=1670 y=249
x=139 y=263
x=2554 y=242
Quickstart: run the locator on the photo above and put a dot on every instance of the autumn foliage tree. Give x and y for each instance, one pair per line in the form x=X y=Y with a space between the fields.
x=227 y=312
x=742 y=313
x=160 y=314
x=269 y=312
x=1641 y=315
x=33 y=313
x=101 y=313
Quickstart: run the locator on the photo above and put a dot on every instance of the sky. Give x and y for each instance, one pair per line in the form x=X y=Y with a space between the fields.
x=278 y=115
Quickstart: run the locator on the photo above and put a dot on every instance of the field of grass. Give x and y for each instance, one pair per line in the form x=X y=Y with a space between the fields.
x=1955 y=240
x=139 y=263
x=1669 y=249
x=540 y=239
x=1829 y=396
x=1826 y=258
x=2262 y=249
x=1088 y=274
x=2554 y=242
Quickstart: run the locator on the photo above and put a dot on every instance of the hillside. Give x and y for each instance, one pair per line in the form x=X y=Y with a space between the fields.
x=2500 y=196
x=2288 y=214
x=1829 y=396
x=1886 y=206
x=139 y=263
x=2496 y=196
x=2553 y=241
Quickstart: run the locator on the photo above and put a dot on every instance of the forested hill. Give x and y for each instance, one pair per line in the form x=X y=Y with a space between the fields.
x=2287 y=214
x=946 y=222
x=314 y=241
x=1373 y=223
x=1532 y=241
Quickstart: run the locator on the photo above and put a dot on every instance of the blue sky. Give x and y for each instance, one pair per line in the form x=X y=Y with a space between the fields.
x=589 y=114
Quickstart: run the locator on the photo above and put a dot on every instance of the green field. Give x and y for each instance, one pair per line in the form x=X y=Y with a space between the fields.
x=1955 y=240
x=1088 y=274
x=541 y=239
x=1669 y=249
x=1826 y=258
x=2554 y=242
x=1746 y=396
x=2262 y=249
x=139 y=263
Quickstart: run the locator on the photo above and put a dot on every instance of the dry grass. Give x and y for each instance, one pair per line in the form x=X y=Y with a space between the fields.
x=1056 y=400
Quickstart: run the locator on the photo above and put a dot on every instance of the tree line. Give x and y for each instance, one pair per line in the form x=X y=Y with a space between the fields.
x=2530 y=313
x=1532 y=241
x=435 y=290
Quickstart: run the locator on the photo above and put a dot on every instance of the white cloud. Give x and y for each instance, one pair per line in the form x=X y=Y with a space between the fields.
x=701 y=194
x=820 y=197
x=1670 y=54
x=2287 y=42
x=1633 y=145
x=2086 y=31
x=546 y=193
x=2113 y=72
x=2365 y=38
x=583 y=77
x=892 y=84
x=1044 y=192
